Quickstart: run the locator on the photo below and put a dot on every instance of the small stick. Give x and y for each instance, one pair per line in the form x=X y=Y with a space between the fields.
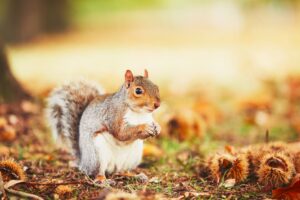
x=90 y=182
x=267 y=136
x=19 y=193
x=23 y=194
x=2 y=190
x=63 y=183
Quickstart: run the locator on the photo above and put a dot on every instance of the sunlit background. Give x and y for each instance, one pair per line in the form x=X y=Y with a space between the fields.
x=229 y=43
x=234 y=63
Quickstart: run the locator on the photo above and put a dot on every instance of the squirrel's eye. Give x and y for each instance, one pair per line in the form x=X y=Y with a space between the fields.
x=138 y=91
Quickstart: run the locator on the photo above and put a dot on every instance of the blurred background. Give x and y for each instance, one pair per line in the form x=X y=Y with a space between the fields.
x=221 y=42
x=233 y=62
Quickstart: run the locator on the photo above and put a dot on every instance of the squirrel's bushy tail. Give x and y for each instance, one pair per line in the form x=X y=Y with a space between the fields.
x=65 y=107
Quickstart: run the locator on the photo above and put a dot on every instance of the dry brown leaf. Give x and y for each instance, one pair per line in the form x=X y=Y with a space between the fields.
x=230 y=149
x=3 y=122
x=7 y=133
x=4 y=151
x=122 y=195
x=154 y=180
x=229 y=183
x=152 y=150
x=196 y=194
x=13 y=119
x=292 y=192
x=29 y=107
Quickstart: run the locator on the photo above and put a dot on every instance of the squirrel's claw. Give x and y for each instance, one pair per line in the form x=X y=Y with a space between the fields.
x=157 y=128
x=151 y=130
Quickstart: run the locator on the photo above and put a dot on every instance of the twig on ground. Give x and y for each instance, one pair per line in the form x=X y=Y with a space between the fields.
x=2 y=190
x=53 y=183
x=19 y=193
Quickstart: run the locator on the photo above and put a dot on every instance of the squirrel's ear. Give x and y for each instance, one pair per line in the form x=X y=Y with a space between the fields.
x=128 y=77
x=146 y=74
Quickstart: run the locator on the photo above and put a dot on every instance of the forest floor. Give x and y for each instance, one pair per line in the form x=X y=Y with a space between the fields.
x=175 y=173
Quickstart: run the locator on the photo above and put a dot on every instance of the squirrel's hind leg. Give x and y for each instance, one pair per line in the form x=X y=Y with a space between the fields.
x=89 y=159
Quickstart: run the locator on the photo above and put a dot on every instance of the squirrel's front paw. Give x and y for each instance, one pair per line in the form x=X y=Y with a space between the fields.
x=149 y=130
x=153 y=129
x=157 y=128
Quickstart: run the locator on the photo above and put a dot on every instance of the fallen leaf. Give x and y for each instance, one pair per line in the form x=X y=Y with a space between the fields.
x=4 y=151
x=3 y=122
x=230 y=149
x=154 y=180
x=13 y=119
x=121 y=195
x=101 y=195
x=229 y=183
x=7 y=133
x=141 y=177
x=198 y=194
x=292 y=192
x=29 y=107
x=152 y=150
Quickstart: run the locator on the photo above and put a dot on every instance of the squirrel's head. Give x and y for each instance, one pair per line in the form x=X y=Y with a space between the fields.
x=142 y=94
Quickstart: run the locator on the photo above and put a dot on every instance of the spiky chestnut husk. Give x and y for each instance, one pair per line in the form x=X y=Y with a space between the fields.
x=186 y=124
x=275 y=170
x=277 y=147
x=229 y=167
x=254 y=156
x=256 y=153
x=297 y=161
x=10 y=170
x=294 y=150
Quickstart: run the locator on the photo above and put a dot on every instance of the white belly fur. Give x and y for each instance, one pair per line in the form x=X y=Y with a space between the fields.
x=114 y=157
x=134 y=118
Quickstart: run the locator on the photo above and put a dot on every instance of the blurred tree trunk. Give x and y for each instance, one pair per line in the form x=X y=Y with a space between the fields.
x=26 y=19
x=10 y=88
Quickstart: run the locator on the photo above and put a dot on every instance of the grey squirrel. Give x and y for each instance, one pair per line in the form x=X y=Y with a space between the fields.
x=105 y=132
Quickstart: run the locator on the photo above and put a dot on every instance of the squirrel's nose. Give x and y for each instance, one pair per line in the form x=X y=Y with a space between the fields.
x=156 y=105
